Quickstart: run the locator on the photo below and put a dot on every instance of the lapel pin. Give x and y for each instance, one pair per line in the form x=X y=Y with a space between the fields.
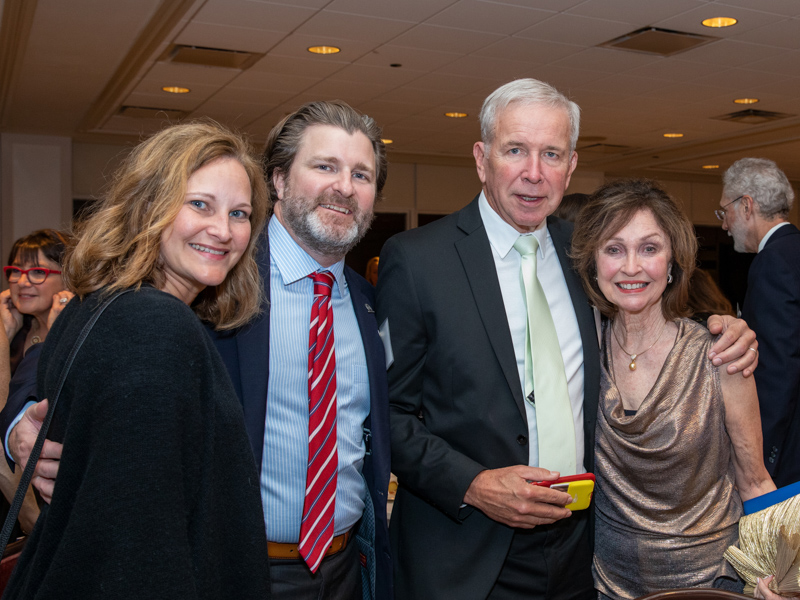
x=369 y=308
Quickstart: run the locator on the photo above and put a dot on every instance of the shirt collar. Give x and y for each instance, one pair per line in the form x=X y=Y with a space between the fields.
x=765 y=239
x=503 y=236
x=293 y=262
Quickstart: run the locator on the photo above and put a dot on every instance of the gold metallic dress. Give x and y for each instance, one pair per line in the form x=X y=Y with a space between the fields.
x=665 y=502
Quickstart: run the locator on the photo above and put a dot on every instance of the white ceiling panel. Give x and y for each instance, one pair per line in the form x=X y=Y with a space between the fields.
x=692 y=20
x=787 y=8
x=445 y=39
x=247 y=13
x=785 y=34
x=574 y=29
x=228 y=37
x=639 y=13
x=414 y=59
x=297 y=45
x=536 y=51
x=405 y=10
x=344 y=26
x=607 y=60
x=485 y=66
x=477 y=15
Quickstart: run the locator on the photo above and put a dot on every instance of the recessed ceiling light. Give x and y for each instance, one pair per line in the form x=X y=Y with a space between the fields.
x=711 y=166
x=673 y=135
x=174 y=89
x=386 y=141
x=720 y=22
x=746 y=100
x=324 y=49
x=455 y=115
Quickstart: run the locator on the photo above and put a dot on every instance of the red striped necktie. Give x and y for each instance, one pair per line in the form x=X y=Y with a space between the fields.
x=316 y=529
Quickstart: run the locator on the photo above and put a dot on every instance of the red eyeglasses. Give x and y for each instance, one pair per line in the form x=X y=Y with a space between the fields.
x=36 y=275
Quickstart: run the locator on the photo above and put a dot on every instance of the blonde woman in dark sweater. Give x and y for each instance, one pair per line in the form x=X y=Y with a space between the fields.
x=157 y=493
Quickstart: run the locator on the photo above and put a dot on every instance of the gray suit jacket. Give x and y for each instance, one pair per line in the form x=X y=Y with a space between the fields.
x=456 y=404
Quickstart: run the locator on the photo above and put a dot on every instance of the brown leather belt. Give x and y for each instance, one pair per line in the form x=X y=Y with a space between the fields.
x=290 y=551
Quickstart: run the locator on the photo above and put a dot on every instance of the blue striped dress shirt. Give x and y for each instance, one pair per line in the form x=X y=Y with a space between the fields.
x=283 y=474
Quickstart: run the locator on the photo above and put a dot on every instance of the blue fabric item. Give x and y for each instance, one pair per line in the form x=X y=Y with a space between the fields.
x=761 y=502
x=21 y=392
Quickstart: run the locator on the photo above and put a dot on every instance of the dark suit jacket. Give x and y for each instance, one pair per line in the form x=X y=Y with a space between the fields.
x=772 y=309
x=246 y=355
x=456 y=403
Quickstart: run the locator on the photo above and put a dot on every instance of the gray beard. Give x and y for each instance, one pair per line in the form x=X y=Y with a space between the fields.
x=308 y=226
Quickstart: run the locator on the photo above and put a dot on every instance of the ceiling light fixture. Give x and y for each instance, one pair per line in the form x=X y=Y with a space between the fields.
x=324 y=49
x=455 y=115
x=746 y=100
x=386 y=141
x=717 y=22
x=174 y=89
x=711 y=166
x=673 y=135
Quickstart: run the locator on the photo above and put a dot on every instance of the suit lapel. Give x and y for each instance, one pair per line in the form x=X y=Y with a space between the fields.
x=253 y=350
x=478 y=262
x=561 y=233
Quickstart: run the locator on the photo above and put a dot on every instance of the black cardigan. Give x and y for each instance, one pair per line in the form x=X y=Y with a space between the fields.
x=157 y=493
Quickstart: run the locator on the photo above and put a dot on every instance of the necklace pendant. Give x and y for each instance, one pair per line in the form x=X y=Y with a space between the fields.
x=632 y=366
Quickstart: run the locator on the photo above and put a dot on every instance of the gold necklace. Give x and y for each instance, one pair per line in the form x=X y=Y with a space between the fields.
x=632 y=365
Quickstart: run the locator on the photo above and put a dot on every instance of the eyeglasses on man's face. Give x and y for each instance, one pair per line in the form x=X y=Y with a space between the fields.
x=36 y=275
x=720 y=212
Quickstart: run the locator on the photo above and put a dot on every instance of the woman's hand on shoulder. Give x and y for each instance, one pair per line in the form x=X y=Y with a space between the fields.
x=12 y=318
x=60 y=300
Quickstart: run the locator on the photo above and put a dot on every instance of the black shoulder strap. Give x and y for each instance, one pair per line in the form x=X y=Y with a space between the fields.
x=27 y=474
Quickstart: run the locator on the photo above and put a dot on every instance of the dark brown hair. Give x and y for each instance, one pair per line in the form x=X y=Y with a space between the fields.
x=612 y=207
x=51 y=242
x=285 y=138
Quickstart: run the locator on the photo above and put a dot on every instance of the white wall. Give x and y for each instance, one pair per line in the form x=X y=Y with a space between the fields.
x=36 y=190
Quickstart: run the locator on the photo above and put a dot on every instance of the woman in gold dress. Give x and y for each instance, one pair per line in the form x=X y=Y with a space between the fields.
x=678 y=440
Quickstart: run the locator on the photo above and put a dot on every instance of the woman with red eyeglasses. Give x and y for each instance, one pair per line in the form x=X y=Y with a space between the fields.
x=35 y=297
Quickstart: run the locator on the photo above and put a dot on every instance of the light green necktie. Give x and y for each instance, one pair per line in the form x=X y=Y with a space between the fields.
x=545 y=379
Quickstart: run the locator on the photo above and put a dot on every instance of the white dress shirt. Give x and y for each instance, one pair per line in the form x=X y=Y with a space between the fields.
x=507 y=261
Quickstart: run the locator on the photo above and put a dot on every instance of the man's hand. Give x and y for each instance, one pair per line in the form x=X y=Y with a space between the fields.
x=737 y=347
x=21 y=441
x=505 y=495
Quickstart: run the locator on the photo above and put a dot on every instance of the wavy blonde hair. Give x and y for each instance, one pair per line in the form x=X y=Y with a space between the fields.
x=118 y=246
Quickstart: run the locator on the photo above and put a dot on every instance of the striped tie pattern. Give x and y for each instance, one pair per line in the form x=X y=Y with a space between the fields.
x=316 y=529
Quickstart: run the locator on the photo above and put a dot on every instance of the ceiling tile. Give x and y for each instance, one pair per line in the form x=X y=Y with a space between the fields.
x=637 y=12
x=607 y=60
x=527 y=49
x=691 y=21
x=573 y=29
x=415 y=59
x=405 y=10
x=783 y=34
x=446 y=39
x=489 y=68
x=247 y=13
x=477 y=15
x=343 y=26
x=788 y=8
x=245 y=39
